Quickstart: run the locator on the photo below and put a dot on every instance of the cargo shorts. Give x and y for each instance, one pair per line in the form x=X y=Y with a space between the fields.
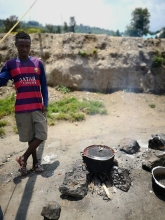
x=31 y=125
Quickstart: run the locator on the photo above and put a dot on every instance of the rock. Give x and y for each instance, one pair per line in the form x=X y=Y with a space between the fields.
x=153 y=158
x=129 y=146
x=51 y=211
x=121 y=178
x=157 y=142
x=75 y=181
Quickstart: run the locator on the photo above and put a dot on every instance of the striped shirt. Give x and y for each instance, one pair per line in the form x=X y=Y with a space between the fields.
x=30 y=83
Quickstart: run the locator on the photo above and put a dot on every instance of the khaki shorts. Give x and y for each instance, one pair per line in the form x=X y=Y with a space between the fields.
x=31 y=125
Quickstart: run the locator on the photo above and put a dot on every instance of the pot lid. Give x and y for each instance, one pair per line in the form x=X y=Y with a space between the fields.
x=99 y=152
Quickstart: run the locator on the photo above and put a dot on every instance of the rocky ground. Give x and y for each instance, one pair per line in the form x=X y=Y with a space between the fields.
x=129 y=116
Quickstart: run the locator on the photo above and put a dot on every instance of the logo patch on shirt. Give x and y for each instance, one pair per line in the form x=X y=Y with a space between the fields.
x=28 y=80
x=36 y=70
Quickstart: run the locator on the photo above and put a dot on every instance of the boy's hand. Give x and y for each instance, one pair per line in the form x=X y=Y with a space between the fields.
x=44 y=110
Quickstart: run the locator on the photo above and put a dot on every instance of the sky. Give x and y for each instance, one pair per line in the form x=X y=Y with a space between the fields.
x=107 y=14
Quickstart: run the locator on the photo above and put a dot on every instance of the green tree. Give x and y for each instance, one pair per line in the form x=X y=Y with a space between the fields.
x=118 y=33
x=139 y=23
x=33 y=23
x=65 y=27
x=50 y=28
x=131 y=31
x=72 y=24
x=58 y=31
x=10 y=22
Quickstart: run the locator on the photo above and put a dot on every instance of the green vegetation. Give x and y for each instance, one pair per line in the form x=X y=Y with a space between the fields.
x=36 y=27
x=15 y=129
x=71 y=109
x=83 y=53
x=158 y=60
x=7 y=106
x=3 y=123
x=94 y=52
x=139 y=23
x=152 y=105
x=139 y=26
x=2 y=132
x=63 y=89
x=10 y=22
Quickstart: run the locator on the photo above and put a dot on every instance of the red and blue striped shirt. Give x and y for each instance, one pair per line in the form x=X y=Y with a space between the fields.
x=30 y=83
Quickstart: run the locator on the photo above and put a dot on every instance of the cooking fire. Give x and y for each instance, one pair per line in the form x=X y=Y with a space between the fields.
x=96 y=173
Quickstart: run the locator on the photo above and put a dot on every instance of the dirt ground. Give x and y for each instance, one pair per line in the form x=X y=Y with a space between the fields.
x=129 y=116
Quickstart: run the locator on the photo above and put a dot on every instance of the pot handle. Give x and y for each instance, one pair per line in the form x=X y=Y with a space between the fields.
x=82 y=154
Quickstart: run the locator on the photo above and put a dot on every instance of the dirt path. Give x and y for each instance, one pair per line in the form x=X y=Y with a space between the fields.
x=129 y=116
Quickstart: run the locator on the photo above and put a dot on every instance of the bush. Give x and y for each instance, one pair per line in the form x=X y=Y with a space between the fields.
x=158 y=60
x=83 y=53
x=63 y=89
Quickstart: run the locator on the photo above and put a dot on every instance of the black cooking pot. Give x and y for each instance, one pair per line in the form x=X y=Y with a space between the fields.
x=98 y=158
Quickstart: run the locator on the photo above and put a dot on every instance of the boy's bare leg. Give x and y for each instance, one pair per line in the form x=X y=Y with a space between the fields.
x=32 y=150
x=34 y=156
x=22 y=160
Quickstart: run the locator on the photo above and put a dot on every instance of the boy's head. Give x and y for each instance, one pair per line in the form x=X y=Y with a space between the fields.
x=22 y=36
x=23 y=43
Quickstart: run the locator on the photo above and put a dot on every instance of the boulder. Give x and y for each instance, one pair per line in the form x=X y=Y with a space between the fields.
x=157 y=141
x=121 y=178
x=51 y=211
x=129 y=145
x=75 y=182
x=153 y=158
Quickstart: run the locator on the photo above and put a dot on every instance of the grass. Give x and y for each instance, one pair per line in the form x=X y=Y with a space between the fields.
x=2 y=132
x=71 y=109
x=3 y=123
x=15 y=129
x=63 y=89
x=7 y=106
x=83 y=53
x=152 y=105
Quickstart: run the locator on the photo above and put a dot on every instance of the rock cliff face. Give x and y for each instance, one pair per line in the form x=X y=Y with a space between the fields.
x=96 y=62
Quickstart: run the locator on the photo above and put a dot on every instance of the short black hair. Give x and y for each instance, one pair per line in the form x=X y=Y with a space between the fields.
x=22 y=35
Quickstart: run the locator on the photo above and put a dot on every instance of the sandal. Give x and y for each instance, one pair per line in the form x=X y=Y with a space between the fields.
x=24 y=171
x=22 y=164
x=38 y=168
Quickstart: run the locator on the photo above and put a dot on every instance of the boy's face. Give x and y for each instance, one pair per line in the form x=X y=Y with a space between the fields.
x=23 y=47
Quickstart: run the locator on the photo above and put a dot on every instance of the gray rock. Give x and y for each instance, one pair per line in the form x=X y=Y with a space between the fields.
x=51 y=211
x=153 y=158
x=121 y=178
x=75 y=182
x=129 y=146
x=157 y=142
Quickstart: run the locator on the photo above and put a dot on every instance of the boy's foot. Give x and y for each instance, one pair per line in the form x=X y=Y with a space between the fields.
x=22 y=163
x=38 y=167
x=18 y=159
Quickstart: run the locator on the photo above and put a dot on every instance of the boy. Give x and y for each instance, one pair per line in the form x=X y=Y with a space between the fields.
x=29 y=78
